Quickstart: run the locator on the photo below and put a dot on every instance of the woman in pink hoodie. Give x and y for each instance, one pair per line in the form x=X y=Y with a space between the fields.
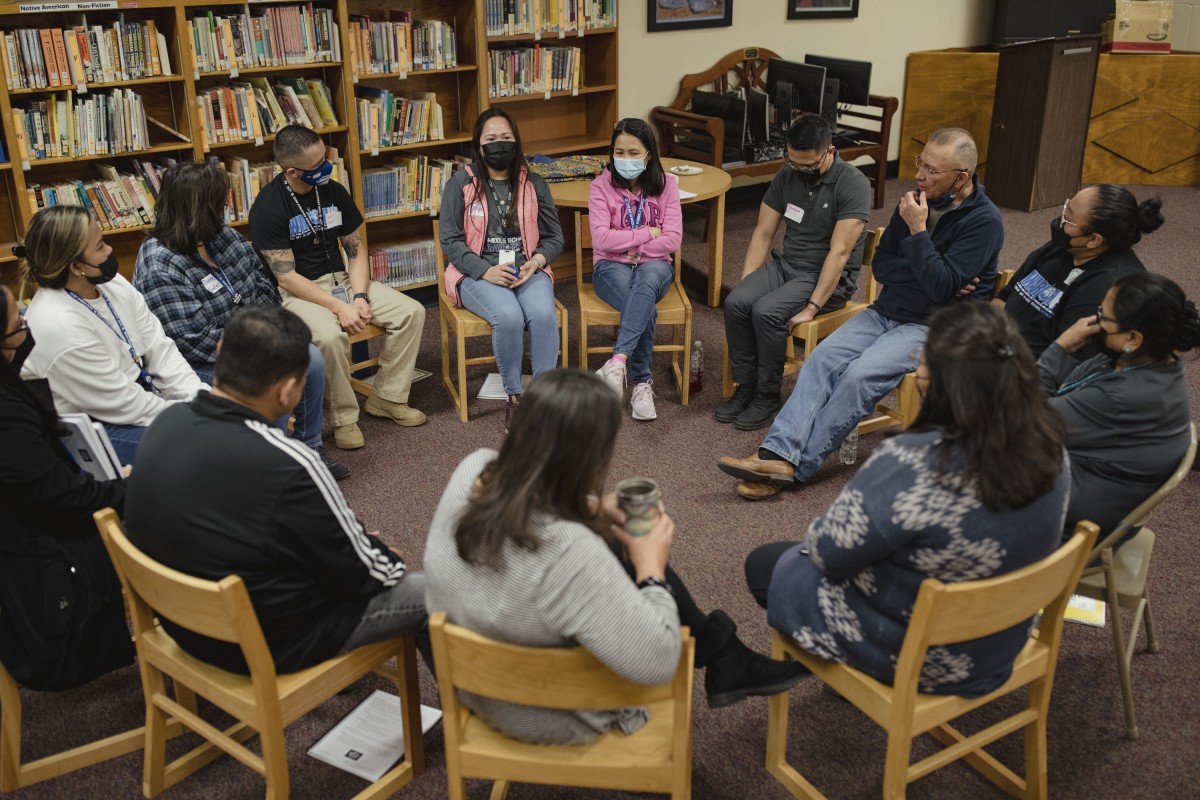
x=636 y=226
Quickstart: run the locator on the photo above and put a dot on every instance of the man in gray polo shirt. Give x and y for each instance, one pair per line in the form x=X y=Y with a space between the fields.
x=825 y=204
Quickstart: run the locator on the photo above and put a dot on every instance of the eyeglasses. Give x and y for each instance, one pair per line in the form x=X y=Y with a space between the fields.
x=921 y=165
x=804 y=169
x=1102 y=317
x=1063 y=221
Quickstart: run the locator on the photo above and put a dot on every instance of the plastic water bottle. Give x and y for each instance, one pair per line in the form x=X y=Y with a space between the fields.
x=696 y=382
x=850 y=448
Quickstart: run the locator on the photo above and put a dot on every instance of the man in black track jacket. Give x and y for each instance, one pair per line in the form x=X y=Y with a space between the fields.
x=218 y=490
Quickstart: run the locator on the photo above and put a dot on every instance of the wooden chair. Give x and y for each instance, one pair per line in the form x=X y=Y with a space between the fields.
x=263 y=702
x=948 y=614
x=463 y=325
x=658 y=758
x=1118 y=579
x=811 y=333
x=360 y=385
x=674 y=309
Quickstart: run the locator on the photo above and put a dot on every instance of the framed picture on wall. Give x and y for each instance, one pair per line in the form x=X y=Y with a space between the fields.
x=678 y=15
x=821 y=9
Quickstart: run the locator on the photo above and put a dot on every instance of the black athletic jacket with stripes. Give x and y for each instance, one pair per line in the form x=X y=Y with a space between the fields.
x=217 y=490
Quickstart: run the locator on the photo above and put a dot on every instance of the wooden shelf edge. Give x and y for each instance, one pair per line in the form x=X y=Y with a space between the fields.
x=270 y=137
x=157 y=79
x=526 y=98
x=219 y=73
x=370 y=76
x=156 y=149
x=408 y=287
x=458 y=138
x=402 y=215
x=550 y=37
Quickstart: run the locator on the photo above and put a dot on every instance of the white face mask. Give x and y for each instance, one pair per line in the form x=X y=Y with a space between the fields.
x=629 y=168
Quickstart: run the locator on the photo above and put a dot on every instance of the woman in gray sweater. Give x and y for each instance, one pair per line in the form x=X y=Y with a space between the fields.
x=1127 y=409
x=520 y=550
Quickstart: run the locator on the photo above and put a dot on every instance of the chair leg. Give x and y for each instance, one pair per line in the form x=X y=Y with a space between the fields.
x=499 y=790
x=1036 y=766
x=154 y=762
x=895 y=767
x=10 y=733
x=1118 y=636
x=1151 y=633
x=274 y=756
x=410 y=697
x=461 y=347
x=726 y=373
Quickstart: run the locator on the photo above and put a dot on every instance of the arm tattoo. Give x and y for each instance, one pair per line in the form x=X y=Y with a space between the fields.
x=280 y=261
x=350 y=243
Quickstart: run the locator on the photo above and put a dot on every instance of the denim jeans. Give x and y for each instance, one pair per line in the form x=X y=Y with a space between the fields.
x=125 y=440
x=398 y=610
x=309 y=414
x=839 y=384
x=634 y=291
x=510 y=312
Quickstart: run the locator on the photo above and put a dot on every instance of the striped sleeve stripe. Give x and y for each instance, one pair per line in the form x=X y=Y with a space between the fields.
x=384 y=568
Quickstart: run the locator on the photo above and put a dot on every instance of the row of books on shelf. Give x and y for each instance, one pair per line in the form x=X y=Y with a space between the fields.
x=39 y=58
x=247 y=179
x=116 y=200
x=511 y=17
x=274 y=36
x=401 y=44
x=534 y=69
x=403 y=263
x=101 y=123
x=386 y=119
x=413 y=183
x=251 y=110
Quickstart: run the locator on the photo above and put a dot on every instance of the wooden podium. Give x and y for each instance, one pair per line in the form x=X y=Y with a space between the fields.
x=1040 y=121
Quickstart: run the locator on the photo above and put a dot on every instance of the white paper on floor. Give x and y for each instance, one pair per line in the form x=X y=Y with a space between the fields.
x=493 y=387
x=370 y=739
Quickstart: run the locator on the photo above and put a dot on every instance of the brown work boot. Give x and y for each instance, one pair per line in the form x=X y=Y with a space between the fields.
x=755 y=470
x=400 y=413
x=757 y=491
x=348 y=437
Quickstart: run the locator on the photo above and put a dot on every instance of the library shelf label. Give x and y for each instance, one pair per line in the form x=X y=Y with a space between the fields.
x=87 y=5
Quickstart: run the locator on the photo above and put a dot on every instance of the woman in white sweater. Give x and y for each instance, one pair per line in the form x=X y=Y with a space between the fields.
x=521 y=551
x=99 y=346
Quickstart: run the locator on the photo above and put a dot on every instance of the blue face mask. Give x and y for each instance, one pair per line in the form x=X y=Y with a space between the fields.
x=944 y=200
x=629 y=168
x=318 y=176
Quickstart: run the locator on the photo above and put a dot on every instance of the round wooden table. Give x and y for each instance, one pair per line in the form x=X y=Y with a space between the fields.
x=710 y=184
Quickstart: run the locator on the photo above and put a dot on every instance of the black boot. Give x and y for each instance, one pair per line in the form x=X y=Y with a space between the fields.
x=733 y=671
x=738 y=402
x=761 y=412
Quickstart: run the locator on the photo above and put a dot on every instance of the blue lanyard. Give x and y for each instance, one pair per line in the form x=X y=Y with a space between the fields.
x=123 y=335
x=219 y=274
x=635 y=222
x=1084 y=381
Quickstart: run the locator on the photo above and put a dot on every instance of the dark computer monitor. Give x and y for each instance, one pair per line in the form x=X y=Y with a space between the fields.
x=731 y=109
x=807 y=81
x=854 y=77
x=758 y=115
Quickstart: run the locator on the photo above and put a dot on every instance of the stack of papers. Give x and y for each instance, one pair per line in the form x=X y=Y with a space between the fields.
x=88 y=444
x=370 y=739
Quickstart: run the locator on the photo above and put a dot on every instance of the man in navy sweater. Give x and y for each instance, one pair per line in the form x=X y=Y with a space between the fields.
x=943 y=237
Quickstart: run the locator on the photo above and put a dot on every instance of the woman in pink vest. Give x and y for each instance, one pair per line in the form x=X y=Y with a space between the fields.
x=636 y=226
x=500 y=231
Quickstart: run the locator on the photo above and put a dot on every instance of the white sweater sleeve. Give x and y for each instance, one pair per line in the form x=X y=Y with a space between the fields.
x=88 y=379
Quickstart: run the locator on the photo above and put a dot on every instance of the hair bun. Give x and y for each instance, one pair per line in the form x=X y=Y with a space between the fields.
x=18 y=250
x=1150 y=217
x=1187 y=331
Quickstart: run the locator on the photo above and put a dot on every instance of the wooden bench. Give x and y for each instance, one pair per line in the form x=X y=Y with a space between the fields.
x=684 y=134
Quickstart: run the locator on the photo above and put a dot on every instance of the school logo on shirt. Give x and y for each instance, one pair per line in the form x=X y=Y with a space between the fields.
x=298 y=228
x=1039 y=293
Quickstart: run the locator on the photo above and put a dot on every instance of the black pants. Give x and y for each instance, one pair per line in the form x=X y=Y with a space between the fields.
x=689 y=613
x=760 y=565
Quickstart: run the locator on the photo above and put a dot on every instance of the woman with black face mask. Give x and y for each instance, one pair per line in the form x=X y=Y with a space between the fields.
x=500 y=232
x=1127 y=409
x=1090 y=247
x=63 y=621
x=101 y=349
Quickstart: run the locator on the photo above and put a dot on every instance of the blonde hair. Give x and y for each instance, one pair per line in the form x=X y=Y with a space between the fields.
x=56 y=237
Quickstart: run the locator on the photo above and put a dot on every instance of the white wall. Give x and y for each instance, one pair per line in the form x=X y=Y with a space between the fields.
x=1186 y=35
x=884 y=33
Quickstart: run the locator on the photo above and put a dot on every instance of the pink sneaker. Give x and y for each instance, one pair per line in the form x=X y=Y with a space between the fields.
x=613 y=373
x=642 y=402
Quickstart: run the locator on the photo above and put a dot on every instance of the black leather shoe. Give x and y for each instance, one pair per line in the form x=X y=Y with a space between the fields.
x=337 y=469
x=760 y=414
x=742 y=397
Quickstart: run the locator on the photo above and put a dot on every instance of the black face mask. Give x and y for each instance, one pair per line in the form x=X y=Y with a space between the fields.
x=1099 y=340
x=499 y=155
x=1059 y=235
x=21 y=351
x=108 y=270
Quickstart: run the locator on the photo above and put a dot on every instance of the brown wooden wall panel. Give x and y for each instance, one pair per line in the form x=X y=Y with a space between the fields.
x=1144 y=129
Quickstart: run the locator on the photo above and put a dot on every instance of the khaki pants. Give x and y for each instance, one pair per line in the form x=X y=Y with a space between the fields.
x=402 y=317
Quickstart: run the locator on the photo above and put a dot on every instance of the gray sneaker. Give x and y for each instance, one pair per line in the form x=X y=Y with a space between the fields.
x=642 y=402
x=613 y=372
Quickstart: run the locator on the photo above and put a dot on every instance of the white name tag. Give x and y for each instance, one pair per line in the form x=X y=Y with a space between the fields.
x=333 y=218
x=476 y=209
x=212 y=284
x=794 y=212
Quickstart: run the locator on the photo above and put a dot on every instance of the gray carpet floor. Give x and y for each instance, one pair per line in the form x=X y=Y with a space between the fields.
x=398 y=477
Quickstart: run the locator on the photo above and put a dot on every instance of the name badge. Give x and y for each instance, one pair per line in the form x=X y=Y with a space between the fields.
x=212 y=284
x=794 y=212
x=476 y=209
x=333 y=218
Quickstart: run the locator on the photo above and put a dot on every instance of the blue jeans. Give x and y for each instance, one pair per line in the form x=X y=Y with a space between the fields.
x=839 y=384
x=309 y=413
x=125 y=440
x=510 y=312
x=395 y=611
x=634 y=291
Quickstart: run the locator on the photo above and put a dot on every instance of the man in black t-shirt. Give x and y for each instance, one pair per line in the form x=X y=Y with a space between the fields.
x=298 y=221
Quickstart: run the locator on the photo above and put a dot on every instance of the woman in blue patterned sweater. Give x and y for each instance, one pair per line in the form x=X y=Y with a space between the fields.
x=977 y=487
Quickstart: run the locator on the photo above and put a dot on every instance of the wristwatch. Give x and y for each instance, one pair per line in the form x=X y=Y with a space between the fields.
x=363 y=295
x=647 y=582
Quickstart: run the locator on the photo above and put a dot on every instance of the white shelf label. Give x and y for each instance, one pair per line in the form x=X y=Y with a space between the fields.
x=89 y=5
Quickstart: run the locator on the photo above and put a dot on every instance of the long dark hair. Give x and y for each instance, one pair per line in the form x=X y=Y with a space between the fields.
x=984 y=396
x=191 y=205
x=653 y=180
x=556 y=453
x=514 y=171
x=1155 y=307
x=10 y=379
x=1120 y=218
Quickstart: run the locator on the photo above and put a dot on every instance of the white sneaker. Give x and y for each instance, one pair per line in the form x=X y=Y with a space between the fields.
x=613 y=373
x=642 y=402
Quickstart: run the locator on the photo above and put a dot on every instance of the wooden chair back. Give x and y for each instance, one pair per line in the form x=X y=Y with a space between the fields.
x=746 y=66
